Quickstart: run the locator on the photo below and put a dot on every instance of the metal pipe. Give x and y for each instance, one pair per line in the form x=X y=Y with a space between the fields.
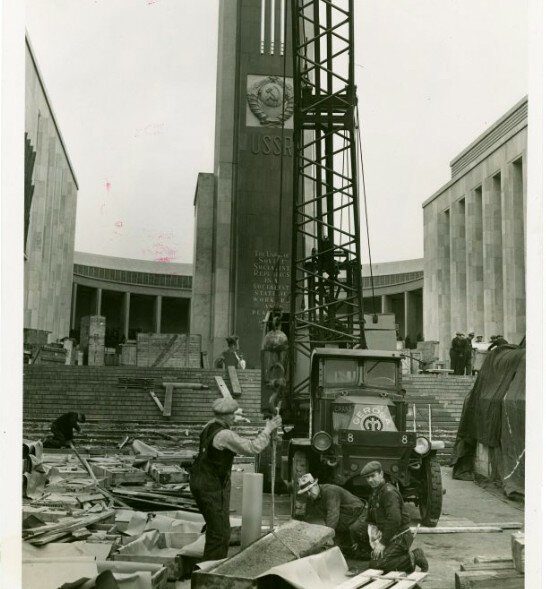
x=283 y=19
x=262 y=29
x=251 y=525
x=429 y=423
x=414 y=419
x=272 y=28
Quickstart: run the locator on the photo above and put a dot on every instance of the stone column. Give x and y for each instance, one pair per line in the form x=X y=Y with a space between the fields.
x=406 y=313
x=98 y=301
x=444 y=285
x=474 y=262
x=513 y=256
x=157 y=314
x=385 y=307
x=74 y=303
x=458 y=266
x=492 y=257
x=126 y=312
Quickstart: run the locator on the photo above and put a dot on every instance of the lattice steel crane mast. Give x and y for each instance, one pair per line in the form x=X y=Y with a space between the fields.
x=326 y=283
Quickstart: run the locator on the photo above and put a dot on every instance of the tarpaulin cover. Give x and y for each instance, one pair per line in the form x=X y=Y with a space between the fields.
x=494 y=415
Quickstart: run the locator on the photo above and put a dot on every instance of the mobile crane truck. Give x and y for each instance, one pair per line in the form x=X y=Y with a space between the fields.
x=340 y=397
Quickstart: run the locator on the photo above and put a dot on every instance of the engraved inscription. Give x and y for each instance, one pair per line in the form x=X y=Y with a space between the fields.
x=264 y=273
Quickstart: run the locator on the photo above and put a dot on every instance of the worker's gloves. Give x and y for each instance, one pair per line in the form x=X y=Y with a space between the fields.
x=378 y=550
x=273 y=423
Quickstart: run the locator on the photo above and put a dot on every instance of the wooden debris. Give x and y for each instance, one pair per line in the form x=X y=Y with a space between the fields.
x=156 y=400
x=518 y=551
x=505 y=564
x=222 y=387
x=39 y=536
x=507 y=579
x=458 y=530
x=234 y=380
x=168 y=473
x=117 y=474
x=375 y=579
x=167 y=404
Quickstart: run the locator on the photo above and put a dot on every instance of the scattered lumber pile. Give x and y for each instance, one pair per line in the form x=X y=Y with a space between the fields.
x=491 y=573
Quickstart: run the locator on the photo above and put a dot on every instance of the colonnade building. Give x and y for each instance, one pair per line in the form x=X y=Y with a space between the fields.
x=474 y=239
x=135 y=296
x=398 y=289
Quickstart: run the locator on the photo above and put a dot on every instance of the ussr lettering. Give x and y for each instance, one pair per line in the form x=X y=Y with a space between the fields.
x=270 y=144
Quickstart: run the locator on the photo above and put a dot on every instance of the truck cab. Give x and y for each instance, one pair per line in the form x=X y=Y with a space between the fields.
x=356 y=412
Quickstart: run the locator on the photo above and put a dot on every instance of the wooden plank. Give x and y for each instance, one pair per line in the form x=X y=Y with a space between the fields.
x=506 y=564
x=489 y=580
x=234 y=380
x=167 y=405
x=410 y=581
x=156 y=401
x=381 y=584
x=360 y=580
x=457 y=530
x=222 y=387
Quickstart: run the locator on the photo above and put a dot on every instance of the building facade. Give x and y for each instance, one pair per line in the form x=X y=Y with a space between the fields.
x=398 y=289
x=133 y=295
x=241 y=206
x=474 y=238
x=50 y=201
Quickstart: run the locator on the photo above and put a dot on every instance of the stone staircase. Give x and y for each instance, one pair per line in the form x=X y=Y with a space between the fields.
x=117 y=403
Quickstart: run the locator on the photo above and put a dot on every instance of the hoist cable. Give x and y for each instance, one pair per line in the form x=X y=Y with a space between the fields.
x=365 y=205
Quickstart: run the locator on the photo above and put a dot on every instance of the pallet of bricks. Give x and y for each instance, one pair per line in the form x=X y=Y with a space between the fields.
x=495 y=572
x=168 y=350
x=92 y=333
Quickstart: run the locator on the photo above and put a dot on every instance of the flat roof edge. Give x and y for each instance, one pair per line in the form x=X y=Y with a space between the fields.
x=53 y=117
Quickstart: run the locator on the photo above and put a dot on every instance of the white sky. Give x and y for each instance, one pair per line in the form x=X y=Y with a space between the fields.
x=132 y=83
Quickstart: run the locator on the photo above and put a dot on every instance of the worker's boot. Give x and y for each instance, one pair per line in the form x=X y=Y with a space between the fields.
x=420 y=559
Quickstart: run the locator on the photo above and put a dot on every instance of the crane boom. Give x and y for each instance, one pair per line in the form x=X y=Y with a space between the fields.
x=326 y=282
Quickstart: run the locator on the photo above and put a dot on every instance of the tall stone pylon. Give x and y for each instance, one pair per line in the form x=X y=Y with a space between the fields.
x=241 y=208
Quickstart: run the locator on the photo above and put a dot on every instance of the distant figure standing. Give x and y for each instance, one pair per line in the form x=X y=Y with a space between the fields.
x=457 y=353
x=479 y=348
x=231 y=355
x=469 y=354
x=497 y=340
x=63 y=430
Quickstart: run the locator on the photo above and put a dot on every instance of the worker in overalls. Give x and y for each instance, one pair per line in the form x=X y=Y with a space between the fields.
x=210 y=477
x=62 y=430
x=388 y=529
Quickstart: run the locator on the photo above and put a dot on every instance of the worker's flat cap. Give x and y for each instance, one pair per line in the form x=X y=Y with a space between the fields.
x=371 y=467
x=224 y=406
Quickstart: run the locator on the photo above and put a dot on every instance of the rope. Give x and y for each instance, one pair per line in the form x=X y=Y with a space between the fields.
x=365 y=205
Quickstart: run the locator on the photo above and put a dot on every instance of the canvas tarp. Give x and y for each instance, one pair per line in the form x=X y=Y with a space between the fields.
x=494 y=415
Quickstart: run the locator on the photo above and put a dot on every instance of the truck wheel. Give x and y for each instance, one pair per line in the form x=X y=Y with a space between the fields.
x=431 y=500
x=300 y=466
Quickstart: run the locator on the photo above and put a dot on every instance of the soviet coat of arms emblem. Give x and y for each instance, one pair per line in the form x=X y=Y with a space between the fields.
x=270 y=102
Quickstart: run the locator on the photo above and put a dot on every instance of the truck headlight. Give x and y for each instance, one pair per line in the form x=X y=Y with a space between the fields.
x=422 y=446
x=322 y=441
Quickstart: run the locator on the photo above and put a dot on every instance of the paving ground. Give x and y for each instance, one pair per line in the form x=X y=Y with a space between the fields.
x=445 y=552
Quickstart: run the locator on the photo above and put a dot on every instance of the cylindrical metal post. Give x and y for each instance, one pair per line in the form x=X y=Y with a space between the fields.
x=252 y=508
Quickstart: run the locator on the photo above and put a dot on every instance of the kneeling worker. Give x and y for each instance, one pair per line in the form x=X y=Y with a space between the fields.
x=391 y=550
x=210 y=477
x=341 y=510
x=63 y=430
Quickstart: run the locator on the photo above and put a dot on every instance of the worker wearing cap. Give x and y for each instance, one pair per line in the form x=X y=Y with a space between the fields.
x=389 y=533
x=210 y=477
x=341 y=510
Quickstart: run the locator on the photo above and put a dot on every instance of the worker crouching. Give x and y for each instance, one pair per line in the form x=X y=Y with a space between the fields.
x=210 y=477
x=341 y=511
x=389 y=534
